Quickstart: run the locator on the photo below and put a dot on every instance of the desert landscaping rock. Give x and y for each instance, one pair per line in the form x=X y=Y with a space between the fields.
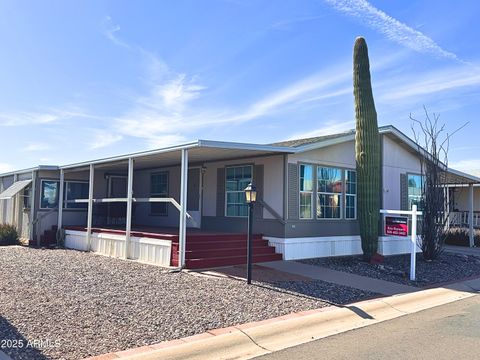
x=81 y=304
x=446 y=268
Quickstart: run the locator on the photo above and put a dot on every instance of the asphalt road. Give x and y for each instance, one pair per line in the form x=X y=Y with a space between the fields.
x=450 y=331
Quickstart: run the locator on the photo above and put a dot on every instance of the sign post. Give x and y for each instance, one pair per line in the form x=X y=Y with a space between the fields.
x=398 y=226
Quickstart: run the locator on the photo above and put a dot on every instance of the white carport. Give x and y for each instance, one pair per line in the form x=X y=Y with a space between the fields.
x=191 y=154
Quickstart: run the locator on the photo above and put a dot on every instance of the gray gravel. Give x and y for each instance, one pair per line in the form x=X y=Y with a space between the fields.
x=446 y=268
x=81 y=304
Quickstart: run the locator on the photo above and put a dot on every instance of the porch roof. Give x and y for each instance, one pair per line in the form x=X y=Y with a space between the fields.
x=456 y=177
x=199 y=151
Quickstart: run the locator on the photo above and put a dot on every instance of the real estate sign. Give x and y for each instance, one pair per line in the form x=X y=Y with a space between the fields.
x=396 y=225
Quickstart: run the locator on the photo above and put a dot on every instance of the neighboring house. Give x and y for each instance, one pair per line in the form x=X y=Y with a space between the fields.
x=190 y=197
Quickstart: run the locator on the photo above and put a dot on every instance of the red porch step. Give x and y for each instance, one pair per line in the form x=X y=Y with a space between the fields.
x=207 y=251
x=226 y=261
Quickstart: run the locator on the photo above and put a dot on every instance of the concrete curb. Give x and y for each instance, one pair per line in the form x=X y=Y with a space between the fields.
x=254 y=339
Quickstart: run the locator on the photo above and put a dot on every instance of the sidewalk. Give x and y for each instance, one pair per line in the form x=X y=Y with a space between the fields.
x=340 y=277
x=251 y=340
x=463 y=250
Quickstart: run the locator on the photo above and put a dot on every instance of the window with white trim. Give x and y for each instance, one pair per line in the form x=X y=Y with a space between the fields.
x=236 y=180
x=306 y=191
x=159 y=188
x=350 y=194
x=75 y=190
x=329 y=193
x=26 y=197
x=415 y=193
x=49 y=194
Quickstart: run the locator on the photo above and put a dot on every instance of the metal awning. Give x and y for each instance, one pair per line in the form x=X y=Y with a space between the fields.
x=14 y=189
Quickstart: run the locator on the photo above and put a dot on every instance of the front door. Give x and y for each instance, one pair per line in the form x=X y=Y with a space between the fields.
x=194 y=197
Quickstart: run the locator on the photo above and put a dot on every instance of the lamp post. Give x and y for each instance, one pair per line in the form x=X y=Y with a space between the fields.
x=251 y=198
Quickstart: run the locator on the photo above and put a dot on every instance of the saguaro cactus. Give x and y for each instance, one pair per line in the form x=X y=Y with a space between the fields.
x=367 y=150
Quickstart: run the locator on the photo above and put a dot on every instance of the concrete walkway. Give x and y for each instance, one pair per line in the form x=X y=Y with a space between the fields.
x=475 y=251
x=340 y=277
x=251 y=340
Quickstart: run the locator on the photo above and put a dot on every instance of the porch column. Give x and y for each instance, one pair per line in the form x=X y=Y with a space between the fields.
x=32 y=209
x=90 y=206
x=182 y=230
x=61 y=197
x=2 y=203
x=15 y=205
x=447 y=207
x=129 y=208
x=470 y=222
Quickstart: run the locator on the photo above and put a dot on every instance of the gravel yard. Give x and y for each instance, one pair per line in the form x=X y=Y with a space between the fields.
x=81 y=304
x=448 y=267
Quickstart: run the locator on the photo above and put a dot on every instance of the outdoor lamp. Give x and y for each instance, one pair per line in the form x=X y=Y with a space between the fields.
x=251 y=193
x=250 y=197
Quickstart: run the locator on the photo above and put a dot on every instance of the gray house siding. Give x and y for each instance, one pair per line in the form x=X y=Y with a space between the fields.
x=264 y=222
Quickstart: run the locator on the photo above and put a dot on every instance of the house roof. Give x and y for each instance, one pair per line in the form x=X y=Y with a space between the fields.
x=207 y=150
x=312 y=140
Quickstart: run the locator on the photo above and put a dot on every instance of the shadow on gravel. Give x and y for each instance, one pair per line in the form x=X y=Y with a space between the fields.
x=15 y=345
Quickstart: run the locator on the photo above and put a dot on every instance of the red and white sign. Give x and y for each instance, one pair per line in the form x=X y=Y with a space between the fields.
x=396 y=225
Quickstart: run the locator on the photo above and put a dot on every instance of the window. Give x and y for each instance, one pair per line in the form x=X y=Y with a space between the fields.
x=329 y=197
x=26 y=197
x=75 y=191
x=415 y=184
x=49 y=194
x=236 y=180
x=350 y=194
x=159 y=188
x=306 y=191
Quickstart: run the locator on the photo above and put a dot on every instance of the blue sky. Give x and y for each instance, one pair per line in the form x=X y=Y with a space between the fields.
x=84 y=80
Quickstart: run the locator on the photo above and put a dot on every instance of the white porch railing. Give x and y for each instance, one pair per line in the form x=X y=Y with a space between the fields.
x=462 y=218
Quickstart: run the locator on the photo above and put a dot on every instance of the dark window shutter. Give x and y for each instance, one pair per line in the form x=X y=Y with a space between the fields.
x=221 y=192
x=293 y=191
x=404 y=192
x=258 y=181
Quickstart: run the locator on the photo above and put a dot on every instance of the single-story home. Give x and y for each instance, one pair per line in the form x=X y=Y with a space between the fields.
x=185 y=205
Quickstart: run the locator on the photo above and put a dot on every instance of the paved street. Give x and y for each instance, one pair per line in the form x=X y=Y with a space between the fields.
x=448 y=332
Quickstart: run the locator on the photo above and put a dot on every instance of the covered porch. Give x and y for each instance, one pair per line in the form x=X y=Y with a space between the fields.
x=150 y=206
x=463 y=206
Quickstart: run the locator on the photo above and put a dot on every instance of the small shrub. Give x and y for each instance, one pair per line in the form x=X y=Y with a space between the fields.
x=8 y=235
x=460 y=237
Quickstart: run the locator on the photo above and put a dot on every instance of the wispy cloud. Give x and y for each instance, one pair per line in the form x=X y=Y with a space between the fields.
x=431 y=82
x=34 y=118
x=110 y=30
x=330 y=127
x=36 y=147
x=390 y=27
x=4 y=167
x=284 y=24
x=471 y=166
x=103 y=139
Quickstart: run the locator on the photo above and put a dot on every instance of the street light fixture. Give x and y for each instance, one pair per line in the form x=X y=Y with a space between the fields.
x=251 y=198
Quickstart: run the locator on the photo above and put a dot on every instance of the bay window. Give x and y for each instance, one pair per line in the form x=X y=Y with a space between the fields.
x=329 y=196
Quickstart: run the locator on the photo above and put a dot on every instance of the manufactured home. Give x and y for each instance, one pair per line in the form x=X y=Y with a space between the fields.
x=185 y=205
